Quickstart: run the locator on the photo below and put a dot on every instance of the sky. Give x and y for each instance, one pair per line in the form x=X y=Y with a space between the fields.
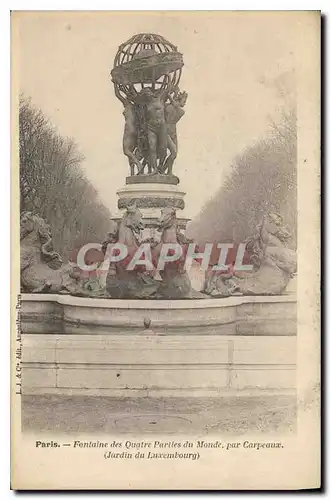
x=232 y=63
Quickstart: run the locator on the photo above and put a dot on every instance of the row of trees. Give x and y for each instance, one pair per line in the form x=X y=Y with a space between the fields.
x=262 y=179
x=53 y=184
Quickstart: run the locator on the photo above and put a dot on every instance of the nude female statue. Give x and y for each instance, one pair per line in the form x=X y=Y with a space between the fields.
x=157 y=132
x=130 y=136
x=173 y=113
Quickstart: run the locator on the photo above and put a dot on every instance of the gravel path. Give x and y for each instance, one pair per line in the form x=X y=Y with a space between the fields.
x=223 y=415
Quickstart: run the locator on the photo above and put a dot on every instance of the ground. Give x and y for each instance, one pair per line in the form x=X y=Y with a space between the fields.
x=224 y=415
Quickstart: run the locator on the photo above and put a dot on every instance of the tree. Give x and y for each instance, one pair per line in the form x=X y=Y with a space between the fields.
x=262 y=179
x=53 y=184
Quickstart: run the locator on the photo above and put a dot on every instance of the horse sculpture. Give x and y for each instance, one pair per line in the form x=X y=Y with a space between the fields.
x=273 y=263
x=42 y=269
x=136 y=283
x=175 y=280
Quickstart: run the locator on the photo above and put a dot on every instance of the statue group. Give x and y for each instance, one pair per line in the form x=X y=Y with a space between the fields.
x=43 y=271
x=146 y=74
x=150 y=134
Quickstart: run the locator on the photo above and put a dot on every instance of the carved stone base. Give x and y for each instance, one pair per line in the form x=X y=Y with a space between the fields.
x=152 y=179
x=150 y=199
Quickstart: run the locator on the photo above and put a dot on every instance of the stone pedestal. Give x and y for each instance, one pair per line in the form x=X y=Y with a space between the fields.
x=151 y=193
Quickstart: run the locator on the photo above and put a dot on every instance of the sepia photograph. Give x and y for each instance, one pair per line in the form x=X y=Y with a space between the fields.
x=160 y=162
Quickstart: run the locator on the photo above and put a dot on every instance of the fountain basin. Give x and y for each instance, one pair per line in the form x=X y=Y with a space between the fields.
x=206 y=347
x=235 y=313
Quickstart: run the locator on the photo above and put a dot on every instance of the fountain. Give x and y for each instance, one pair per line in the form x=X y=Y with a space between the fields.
x=147 y=333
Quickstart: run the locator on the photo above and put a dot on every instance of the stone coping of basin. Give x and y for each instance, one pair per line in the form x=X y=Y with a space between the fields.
x=156 y=304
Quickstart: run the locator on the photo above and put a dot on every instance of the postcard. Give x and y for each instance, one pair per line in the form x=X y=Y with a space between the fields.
x=165 y=250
